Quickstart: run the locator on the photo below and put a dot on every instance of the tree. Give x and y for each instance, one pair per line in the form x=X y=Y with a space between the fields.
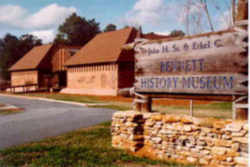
x=197 y=15
x=126 y=26
x=177 y=33
x=13 y=48
x=9 y=54
x=233 y=10
x=77 y=30
x=28 y=41
x=204 y=4
x=1 y=46
x=110 y=27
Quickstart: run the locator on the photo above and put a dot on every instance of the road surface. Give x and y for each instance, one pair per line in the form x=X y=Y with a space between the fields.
x=42 y=119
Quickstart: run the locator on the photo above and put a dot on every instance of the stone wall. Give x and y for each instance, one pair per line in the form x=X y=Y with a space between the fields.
x=204 y=141
x=93 y=80
x=20 y=78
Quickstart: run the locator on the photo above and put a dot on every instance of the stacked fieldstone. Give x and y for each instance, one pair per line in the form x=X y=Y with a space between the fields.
x=127 y=130
x=209 y=142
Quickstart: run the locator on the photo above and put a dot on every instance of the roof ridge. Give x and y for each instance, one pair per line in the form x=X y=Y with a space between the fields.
x=25 y=62
x=127 y=40
x=123 y=29
x=104 y=47
x=44 y=45
x=52 y=45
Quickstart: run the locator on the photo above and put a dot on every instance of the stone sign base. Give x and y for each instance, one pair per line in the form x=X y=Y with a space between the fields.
x=203 y=141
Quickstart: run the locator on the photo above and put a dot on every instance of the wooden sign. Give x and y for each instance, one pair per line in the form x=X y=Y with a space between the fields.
x=210 y=64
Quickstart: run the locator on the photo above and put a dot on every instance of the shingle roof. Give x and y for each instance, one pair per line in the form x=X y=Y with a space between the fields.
x=153 y=36
x=103 y=48
x=32 y=59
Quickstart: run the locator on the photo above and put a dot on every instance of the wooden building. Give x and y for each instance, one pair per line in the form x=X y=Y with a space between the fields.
x=154 y=36
x=42 y=67
x=101 y=67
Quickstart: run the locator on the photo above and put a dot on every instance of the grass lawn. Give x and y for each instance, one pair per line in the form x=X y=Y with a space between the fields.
x=215 y=109
x=115 y=106
x=200 y=108
x=89 y=147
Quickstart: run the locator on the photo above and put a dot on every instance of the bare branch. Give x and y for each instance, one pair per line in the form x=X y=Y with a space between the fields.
x=204 y=2
x=233 y=10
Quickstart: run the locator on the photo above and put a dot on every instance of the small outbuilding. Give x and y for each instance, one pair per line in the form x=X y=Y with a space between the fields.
x=42 y=67
x=101 y=67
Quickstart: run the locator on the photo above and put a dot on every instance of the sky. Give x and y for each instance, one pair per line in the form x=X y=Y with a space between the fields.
x=42 y=17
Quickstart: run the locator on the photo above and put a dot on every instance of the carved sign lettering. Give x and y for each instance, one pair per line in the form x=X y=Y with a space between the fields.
x=214 y=64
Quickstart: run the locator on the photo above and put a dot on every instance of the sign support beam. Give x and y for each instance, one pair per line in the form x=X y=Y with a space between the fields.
x=191 y=108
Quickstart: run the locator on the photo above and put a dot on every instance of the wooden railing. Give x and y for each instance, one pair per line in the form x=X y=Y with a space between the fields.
x=4 y=86
x=25 y=88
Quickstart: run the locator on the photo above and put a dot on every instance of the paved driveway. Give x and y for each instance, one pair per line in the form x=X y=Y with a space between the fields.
x=44 y=118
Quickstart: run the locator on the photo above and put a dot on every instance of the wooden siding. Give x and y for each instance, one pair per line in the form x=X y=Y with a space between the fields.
x=50 y=70
x=60 y=56
x=93 y=79
x=126 y=75
x=24 y=78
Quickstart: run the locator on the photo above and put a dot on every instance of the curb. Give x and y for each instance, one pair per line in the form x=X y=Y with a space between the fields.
x=8 y=107
x=52 y=100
